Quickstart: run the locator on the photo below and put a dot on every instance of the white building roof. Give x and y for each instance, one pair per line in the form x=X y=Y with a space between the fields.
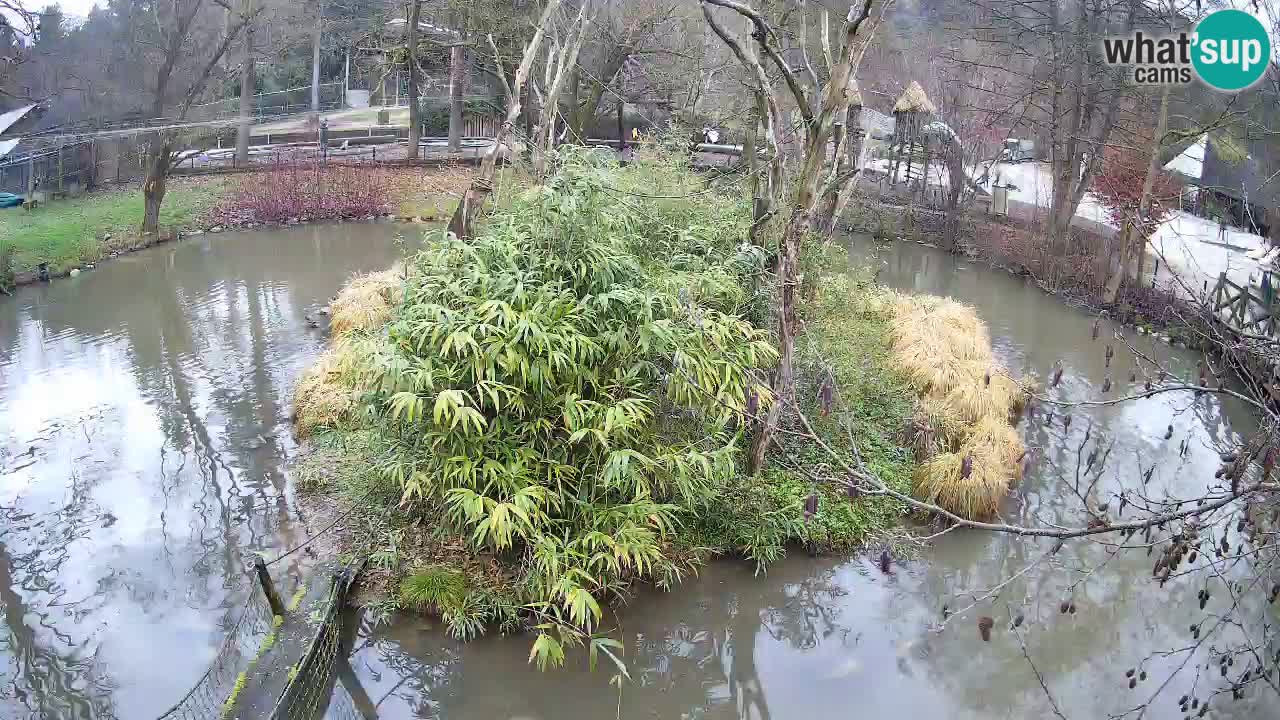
x=7 y=146
x=8 y=119
x=1189 y=162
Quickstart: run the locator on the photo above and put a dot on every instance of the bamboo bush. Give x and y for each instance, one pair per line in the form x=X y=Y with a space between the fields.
x=567 y=386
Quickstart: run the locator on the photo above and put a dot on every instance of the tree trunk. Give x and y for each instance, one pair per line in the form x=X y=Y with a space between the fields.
x=473 y=199
x=415 y=120
x=564 y=64
x=854 y=143
x=788 y=278
x=785 y=381
x=577 y=119
x=622 y=128
x=826 y=221
x=246 y=98
x=1133 y=239
x=749 y=152
x=315 y=57
x=154 y=186
x=457 y=71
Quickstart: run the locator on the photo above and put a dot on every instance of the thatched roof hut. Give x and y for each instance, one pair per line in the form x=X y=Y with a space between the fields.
x=910 y=113
x=914 y=100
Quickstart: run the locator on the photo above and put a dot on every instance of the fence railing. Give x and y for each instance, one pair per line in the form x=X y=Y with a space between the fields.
x=276 y=103
x=323 y=685
x=1247 y=312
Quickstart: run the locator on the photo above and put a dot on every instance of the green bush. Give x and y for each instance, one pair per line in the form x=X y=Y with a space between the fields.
x=568 y=387
x=846 y=342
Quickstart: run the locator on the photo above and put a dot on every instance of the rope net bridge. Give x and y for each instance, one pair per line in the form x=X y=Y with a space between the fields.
x=242 y=681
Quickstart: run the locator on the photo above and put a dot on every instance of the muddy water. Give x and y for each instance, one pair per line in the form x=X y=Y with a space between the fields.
x=144 y=433
x=835 y=638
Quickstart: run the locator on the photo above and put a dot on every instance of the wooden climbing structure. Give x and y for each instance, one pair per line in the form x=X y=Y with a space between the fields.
x=911 y=113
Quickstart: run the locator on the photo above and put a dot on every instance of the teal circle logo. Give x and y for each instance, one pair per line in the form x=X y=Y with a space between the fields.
x=1231 y=50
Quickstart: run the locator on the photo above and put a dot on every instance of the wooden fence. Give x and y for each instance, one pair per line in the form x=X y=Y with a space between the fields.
x=1246 y=311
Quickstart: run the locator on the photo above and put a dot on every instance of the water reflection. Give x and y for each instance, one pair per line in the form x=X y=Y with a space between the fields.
x=836 y=638
x=144 y=432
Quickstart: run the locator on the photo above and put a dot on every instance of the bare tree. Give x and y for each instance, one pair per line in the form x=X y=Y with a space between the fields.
x=472 y=203
x=248 y=83
x=187 y=40
x=623 y=34
x=457 y=76
x=560 y=63
x=315 y=56
x=818 y=111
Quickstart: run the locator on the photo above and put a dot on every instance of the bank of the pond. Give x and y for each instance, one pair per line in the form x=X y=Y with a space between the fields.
x=78 y=234
x=1016 y=245
x=73 y=233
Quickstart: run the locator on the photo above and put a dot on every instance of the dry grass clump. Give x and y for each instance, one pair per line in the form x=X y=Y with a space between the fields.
x=327 y=391
x=934 y=429
x=366 y=302
x=991 y=395
x=967 y=403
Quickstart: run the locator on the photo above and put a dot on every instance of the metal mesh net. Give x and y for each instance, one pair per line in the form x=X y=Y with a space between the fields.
x=319 y=685
x=238 y=650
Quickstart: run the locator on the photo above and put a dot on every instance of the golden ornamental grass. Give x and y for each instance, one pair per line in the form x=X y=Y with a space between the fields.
x=967 y=403
x=366 y=302
x=326 y=392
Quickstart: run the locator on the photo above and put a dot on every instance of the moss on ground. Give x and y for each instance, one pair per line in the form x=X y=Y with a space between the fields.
x=69 y=233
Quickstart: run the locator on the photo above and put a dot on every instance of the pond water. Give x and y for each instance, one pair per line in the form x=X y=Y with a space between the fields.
x=144 y=431
x=144 y=435
x=836 y=638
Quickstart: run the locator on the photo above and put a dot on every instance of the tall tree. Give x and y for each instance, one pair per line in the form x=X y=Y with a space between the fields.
x=248 y=83
x=316 y=35
x=185 y=41
x=411 y=42
x=457 y=75
x=818 y=109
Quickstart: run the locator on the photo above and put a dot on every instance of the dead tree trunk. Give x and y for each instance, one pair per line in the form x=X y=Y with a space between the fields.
x=462 y=224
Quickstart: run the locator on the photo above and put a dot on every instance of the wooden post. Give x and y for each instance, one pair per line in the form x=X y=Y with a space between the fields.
x=622 y=135
x=60 y=166
x=268 y=588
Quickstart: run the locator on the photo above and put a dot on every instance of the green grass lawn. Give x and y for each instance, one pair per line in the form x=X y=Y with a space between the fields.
x=68 y=233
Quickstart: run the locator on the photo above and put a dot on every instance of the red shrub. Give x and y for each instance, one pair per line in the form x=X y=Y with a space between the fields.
x=306 y=191
x=1119 y=188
